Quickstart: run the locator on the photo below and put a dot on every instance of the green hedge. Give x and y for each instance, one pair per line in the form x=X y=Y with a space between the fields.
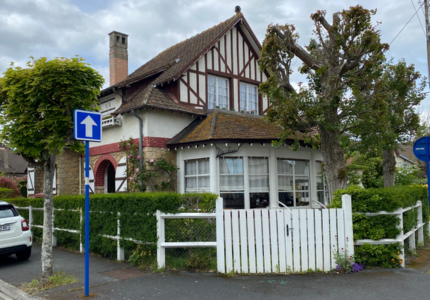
x=137 y=217
x=5 y=193
x=382 y=226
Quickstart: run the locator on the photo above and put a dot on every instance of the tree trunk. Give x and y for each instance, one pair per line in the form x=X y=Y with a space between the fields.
x=388 y=167
x=334 y=163
x=48 y=207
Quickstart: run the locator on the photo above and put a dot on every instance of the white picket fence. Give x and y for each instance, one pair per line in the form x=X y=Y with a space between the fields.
x=402 y=236
x=271 y=240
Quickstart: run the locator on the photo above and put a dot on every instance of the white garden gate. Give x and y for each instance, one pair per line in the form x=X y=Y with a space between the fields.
x=282 y=240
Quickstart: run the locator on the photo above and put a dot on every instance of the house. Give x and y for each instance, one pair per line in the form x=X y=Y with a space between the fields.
x=11 y=164
x=198 y=103
x=405 y=157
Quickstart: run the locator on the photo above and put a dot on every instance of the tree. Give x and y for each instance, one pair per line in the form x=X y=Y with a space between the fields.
x=36 y=111
x=340 y=64
x=399 y=88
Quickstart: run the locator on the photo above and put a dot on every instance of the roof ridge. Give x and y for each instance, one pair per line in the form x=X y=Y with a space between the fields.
x=213 y=124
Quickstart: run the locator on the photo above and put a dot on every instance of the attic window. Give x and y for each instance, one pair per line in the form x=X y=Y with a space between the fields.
x=123 y=40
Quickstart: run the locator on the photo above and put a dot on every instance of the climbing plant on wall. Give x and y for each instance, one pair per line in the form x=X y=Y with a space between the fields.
x=156 y=174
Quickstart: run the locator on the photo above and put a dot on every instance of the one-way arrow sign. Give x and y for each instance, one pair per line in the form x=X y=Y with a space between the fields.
x=87 y=125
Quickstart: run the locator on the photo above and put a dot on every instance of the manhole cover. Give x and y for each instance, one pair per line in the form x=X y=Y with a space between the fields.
x=123 y=274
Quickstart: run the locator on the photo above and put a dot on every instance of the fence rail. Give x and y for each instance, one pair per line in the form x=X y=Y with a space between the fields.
x=120 y=251
x=401 y=237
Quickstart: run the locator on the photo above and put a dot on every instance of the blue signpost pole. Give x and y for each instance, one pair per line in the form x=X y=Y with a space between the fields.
x=427 y=163
x=87 y=218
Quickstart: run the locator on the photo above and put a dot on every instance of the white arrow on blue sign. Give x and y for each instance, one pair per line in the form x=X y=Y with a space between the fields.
x=87 y=125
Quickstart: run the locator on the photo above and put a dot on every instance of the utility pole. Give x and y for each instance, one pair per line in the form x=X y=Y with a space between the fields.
x=426 y=6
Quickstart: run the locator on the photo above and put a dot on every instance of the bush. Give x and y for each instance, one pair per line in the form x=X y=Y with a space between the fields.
x=6 y=182
x=6 y=193
x=382 y=226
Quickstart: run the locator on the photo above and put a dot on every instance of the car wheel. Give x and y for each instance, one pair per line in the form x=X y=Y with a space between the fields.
x=24 y=255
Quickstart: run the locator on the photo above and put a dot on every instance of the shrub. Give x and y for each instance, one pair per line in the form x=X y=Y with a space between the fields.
x=6 y=182
x=6 y=193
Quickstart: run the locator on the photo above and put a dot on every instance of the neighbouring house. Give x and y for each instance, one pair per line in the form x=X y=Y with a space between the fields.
x=11 y=164
x=198 y=104
x=405 y=157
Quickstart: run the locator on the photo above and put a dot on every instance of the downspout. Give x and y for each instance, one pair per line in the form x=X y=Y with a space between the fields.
x=140 y=143
x=80 y=175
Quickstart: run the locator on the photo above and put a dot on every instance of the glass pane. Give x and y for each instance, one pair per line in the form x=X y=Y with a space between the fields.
x=243 y=105
x=301 y=167
x=231 y=183
x=302 y=183
x=203 y=166
x=211 y=80
x=259 y=183
x=302 y=199
x=233 y=200
x=258 y=165
x=320 y=185
x=285 y=166
x=190 y=184
x=320 y=196
x=285 y=183
x=286 y=198
x=190 y=167
x=231 y=165
x=203 y=183
x=259 y=200
x=319 y=167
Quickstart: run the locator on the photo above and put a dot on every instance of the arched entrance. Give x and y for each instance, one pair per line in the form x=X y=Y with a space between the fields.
x=104 y=172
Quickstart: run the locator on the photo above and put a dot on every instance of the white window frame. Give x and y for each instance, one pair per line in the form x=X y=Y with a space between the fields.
x=107 y=107
x=248 y=88
x=197 y=175
x=217 y=103
x=293 y=190
x=324 y=189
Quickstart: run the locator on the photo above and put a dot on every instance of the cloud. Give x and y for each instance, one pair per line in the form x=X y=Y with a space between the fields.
x=55 y=28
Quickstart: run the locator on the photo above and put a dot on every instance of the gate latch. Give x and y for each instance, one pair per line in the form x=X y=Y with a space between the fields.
x=288 y=230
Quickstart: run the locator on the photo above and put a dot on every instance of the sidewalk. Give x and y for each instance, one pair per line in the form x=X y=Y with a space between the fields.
x=113 y=280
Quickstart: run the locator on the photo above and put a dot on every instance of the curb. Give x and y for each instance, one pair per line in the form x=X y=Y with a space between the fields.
x=10 y=292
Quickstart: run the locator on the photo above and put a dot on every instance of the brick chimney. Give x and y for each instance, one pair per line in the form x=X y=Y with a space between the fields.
x=118 y=57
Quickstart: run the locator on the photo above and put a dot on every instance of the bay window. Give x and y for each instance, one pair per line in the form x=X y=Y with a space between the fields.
x=217 y=92
x=293 y=182
x=197 y=176
x=248 y=98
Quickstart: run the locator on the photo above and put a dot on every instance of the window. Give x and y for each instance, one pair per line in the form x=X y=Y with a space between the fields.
x=217 y=92
x=7 y=211
x=258 y=169
x=231 y=182
x=293 y=182
x=248 y=98
x=197 y=176
x=322 y=194
x=123 y=40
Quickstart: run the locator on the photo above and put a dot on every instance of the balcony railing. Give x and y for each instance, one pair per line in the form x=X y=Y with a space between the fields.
x=114 y=121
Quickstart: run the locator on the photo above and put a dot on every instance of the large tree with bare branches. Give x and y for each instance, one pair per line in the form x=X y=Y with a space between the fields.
x=341 y=63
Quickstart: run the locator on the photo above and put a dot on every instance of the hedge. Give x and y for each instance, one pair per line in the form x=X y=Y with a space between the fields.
x=382 y=226
x=6 y=193
x=137 y=217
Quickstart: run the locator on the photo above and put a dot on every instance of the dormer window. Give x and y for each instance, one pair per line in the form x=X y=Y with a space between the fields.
x=248 y=98
x=217 y=92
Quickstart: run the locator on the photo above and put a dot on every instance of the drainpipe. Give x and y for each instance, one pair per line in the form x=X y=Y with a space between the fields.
x=140 y=142
x=80 y=175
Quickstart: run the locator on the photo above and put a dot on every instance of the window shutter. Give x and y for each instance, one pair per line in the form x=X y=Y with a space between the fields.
x=54 y=183
x=121 y=176
x=91 y=181
x=30 y=181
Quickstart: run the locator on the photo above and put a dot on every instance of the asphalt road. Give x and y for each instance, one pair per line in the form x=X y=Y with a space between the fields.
x=113 y=280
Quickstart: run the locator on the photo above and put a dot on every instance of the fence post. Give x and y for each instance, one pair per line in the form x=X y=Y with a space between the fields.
x=220 y=235
x=81 y=247
x=119 y=251
x=30 y=216
x=420 y=223
x=349 y=232
x=161 y=251
x=400 y=237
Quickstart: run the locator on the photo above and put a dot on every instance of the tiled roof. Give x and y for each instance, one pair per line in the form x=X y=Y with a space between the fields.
x=156 y=97
x=179 y=56
x=226 y=125
x=17 y=164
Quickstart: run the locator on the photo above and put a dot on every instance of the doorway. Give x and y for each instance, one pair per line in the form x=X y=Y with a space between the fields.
x=110 y=179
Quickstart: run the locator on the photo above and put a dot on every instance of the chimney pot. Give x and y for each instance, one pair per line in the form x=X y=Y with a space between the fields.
x=237 y=9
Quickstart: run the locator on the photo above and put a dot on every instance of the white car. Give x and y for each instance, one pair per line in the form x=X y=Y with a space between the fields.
x=15 y=234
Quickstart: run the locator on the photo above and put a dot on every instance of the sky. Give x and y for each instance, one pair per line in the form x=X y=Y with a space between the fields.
x=65 y=28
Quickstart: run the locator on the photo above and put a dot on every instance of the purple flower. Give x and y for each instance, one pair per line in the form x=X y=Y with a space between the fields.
x=356 y=267
x=168 y=180
x=138 y=157
x=137 y=170
x=131 y=178
x=151 y=160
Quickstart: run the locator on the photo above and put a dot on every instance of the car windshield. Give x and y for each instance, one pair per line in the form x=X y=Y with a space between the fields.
x=7 y=211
